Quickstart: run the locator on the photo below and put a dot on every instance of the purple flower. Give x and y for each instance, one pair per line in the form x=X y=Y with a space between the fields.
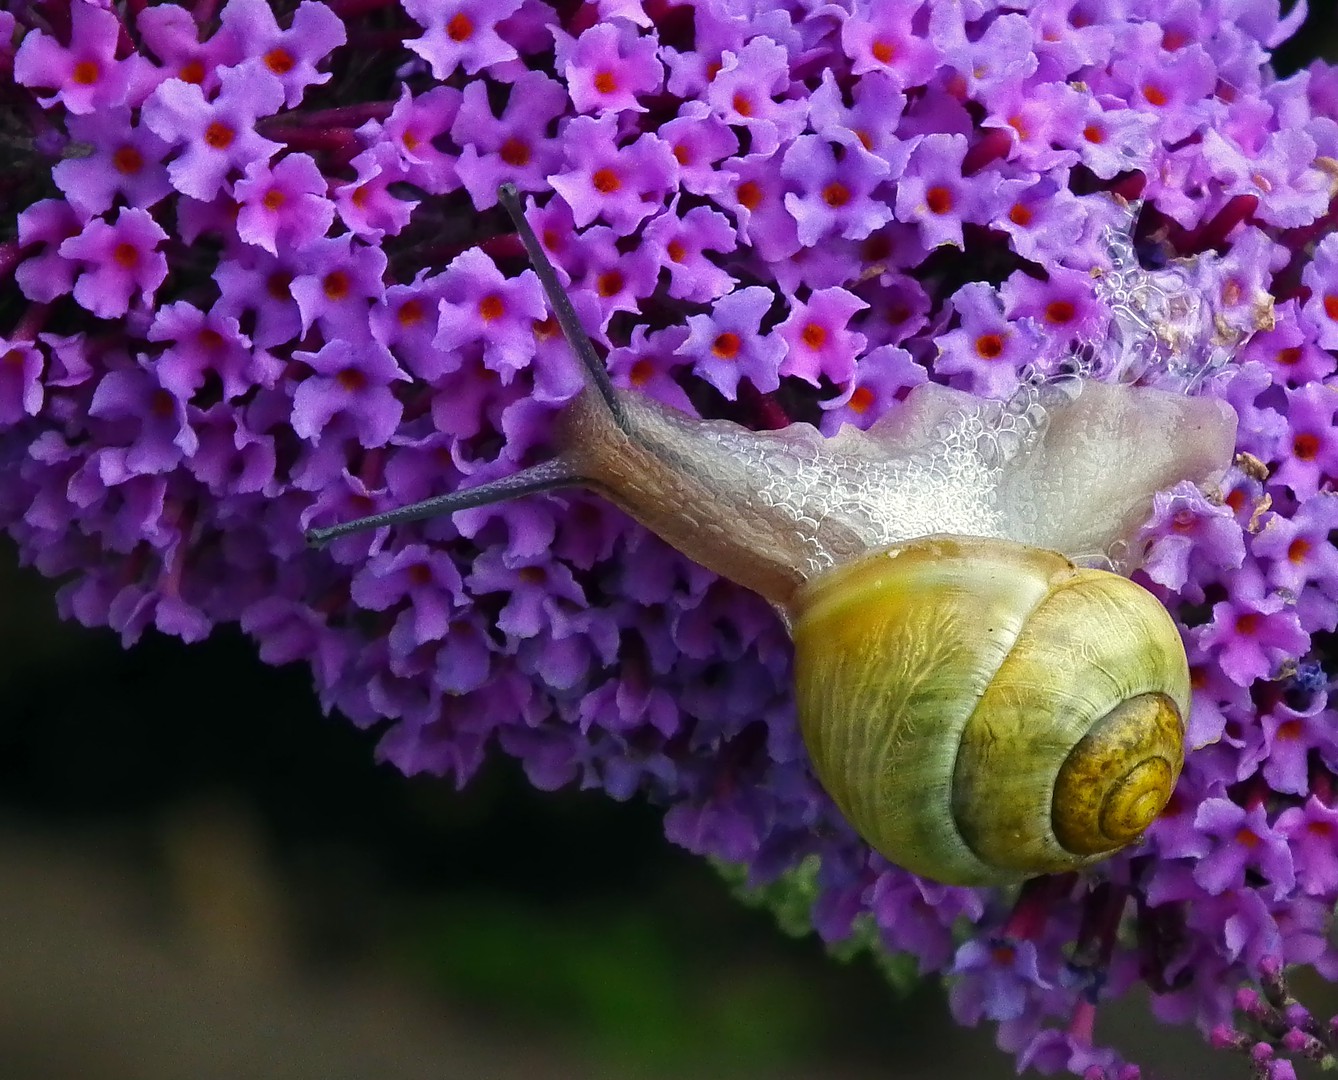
x=932 y=191
x=512 y=147
x=144 y=425
x=987 y=349
x=286 y=201
x=878 y=36
x=608 y=68
x=835 y=195
x=85 y=75
x=744 y=90
x=125 y=160
x=21 y=388
x=295 y=301
x=1313 y=437
x=728 y=344
x=461 y=33
x=1238 y=839
x=291 y=54
x=1312 y=830
x=682 y=244
x=206 y=344
x=46 y=275
x=117 y=261
x=349 y=385
x=215 y=135
x=479 y=305
x=817 y=339
x=623 y=185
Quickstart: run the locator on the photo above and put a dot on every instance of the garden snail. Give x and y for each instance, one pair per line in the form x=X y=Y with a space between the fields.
x=981 y=708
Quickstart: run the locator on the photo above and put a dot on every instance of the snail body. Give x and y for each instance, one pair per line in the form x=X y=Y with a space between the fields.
x=981 y=708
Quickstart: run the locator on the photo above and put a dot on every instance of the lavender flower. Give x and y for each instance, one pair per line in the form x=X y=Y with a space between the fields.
x=265 y=285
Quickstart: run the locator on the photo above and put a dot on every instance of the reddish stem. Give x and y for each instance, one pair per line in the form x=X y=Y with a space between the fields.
x=767 y=411
x=340 y=141
x=1213 y=233
x=343 y=116
x=31 y=322
x=1130 y=187
x=994 y=143
x=1083 y=1025
x=1032 y=910
x=10 y=257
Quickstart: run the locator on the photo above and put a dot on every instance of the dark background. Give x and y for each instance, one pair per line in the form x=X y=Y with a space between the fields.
x=201 y=876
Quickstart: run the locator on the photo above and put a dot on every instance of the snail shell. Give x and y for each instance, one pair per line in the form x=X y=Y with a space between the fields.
x=980 y=708
x=983 y=712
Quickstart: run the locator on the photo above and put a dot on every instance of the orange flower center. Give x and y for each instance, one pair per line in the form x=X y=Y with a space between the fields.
x=336 y=285
x=990 y=346
x=938 y=199
x=727 y=345
x=1059 y=311
x=460 y=28
x=883 y=51
x=127 y=160
x=351 y=379
x=836 y=195
x=1306 y=447
x=861 y=400
x=279 y=60
x=515 y=152
x=606 y=181
x=86 y=72
x=219 y=135
x=491 y=307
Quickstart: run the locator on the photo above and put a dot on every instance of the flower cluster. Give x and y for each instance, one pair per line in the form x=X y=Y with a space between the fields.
x=254 y=279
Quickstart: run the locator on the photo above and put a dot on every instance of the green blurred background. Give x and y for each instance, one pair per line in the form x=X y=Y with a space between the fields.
x=202 y=877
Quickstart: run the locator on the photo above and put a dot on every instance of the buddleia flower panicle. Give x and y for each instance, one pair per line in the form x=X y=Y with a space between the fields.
x=253 y=278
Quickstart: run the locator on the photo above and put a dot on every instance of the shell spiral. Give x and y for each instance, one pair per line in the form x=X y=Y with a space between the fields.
x=982 y=711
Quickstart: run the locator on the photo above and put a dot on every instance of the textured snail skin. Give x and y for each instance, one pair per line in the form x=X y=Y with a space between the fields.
x=965 y=699
x=773 y=509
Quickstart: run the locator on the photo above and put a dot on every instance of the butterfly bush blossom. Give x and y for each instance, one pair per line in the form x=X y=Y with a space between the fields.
x=253 y=277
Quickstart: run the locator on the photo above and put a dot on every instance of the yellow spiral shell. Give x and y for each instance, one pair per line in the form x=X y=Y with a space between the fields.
x=983 y=712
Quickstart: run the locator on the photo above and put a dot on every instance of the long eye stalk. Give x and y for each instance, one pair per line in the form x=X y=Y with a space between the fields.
x=558 y=300
x=547 y=476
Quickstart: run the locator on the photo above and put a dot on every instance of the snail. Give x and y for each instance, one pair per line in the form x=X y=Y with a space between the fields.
x=983 y=696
